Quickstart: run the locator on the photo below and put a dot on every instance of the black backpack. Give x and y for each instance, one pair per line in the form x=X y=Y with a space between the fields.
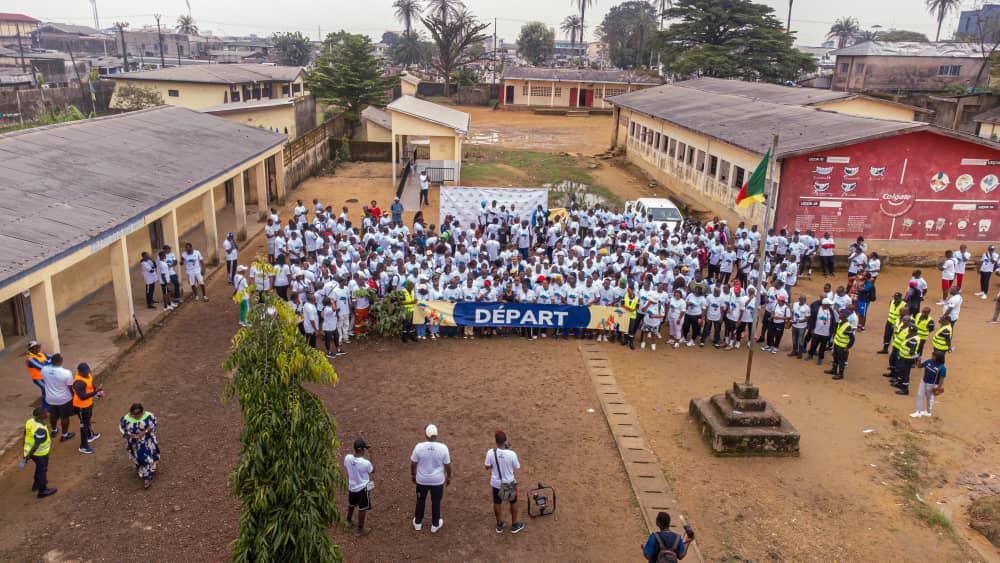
x=667 y=555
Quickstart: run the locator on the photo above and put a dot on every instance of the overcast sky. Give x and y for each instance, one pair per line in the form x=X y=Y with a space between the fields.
x=811 y=18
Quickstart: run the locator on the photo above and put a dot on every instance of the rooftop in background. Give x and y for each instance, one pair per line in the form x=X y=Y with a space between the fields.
x=579 y=75
x=218 y=74
x=988 y=116
x=249 y=105
x=774 y=93
x=70 y=29
x=751 y=123
x=379 y=117
x=911 y=49
x=407 y=77
x=103 y=175
x=427 y=111
x=4 y=17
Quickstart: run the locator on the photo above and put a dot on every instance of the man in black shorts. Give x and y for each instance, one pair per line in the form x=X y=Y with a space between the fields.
x=359 y=483
x=57 y=381
x=501 y=462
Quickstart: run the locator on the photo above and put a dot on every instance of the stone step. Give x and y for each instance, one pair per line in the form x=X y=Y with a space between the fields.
x=745 y=405
x=736 y=417
x=742 y=441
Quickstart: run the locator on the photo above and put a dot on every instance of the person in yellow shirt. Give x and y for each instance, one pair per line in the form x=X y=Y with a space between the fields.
x=37 y=442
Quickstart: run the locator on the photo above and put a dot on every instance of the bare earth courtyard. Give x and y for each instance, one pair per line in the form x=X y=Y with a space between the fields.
x=850 y=496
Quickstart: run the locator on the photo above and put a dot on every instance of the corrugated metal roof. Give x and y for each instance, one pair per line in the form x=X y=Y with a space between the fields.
x=250 y=105
x=421 y=109
x=70 y=29
x=911 y=49
x=381 y=118
x=6 y=17
x=773 y=93
x=988 y=116
x=217 y=74
x=751 y=124
x=579 y=75
x=407 y=77
x=64 y=187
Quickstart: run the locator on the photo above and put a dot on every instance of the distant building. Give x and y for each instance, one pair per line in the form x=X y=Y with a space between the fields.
x=146 y=43
x=289 y=116
x=565 y=51
x=77 y=38
x=380 y=50
x=986 y=21
x=408 y=84
x=877 y=66
x=14 y=25
x=529 y=87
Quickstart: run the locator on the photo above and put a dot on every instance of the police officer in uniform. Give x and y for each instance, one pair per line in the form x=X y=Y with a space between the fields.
x=925 y=324
x=37 y=442
x=942 y=337
x=843 y=340
x=910 y=342
x=409 y=300
x=898 y=335
x=896 y=307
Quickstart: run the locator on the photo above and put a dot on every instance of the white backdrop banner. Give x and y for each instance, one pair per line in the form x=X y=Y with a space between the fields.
x=463 y=203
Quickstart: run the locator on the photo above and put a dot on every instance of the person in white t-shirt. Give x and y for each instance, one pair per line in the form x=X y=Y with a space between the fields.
x=194 y=265
x=430 y=468
x=501 y=461
x=800 y=322
x=57 y=381
x=310 y=319
x=947 y=267
x=231 y=250
x=359 y=483
x=987 y=265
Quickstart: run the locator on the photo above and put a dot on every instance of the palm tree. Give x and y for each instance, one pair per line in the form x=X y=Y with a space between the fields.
x=407 y=11
x=843 y=29
x=445 y=8
x=941 y=9
x=582 y=5
x=788 y=24
x=867 y=35
x=186 y=25
x=570 y=25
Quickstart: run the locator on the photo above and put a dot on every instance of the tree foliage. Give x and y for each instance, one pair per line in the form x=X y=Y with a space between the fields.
x=731 y=39
x=940 y=9
x=571 y=26
x=536 y=43
x=130 y=98
x=293 y=48
x=842 y=30
x=186 y=24
x=287 y=473
x=455 y=36
x=628 y=29
x=349 y=76
x=412 y=49
x=903 y=35
x=465 y=76
x=387 y=314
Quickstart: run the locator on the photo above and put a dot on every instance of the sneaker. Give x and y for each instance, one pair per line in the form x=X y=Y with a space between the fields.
x=67 y=436
x=440 y=525
x=86 y=450
x=47 y=492
x=902 y=391
x=340 y=353
x=983 y=296
x=204 y=298
x=916 y=414
x=642 y=345
x=765 y=348
x=926 y=414
x=774 y=350
x=689 y=343
x=417 y=526
x=838 y=377
x=653 y=346
x=516 y=527
x=978 y=293
x=500 y=527
x=94 y=437
x=361 y=532
x=330 y=354
x=737 y=346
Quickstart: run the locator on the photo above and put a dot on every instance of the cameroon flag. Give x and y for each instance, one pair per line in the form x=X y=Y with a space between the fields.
x=753 y=190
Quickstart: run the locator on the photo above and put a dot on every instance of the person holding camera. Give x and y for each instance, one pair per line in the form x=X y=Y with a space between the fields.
x=665 y=546
x=501 y=461
x=359 y=484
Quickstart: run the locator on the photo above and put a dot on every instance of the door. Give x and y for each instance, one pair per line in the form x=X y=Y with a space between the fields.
x=509 y=95
x=573 y=97
x=588 y=98
x=156 y=234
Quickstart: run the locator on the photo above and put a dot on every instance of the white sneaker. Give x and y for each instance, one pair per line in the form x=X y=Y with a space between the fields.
x=417 y=526
x=653 y=346
x=677 y=345
x=983 y=296
x=689 y=343
x=642 y=345
x=440 y=525
x=916 y=414
x=926 y=414
x=737 y=346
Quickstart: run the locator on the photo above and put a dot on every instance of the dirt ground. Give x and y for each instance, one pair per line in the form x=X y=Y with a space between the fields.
x=586 y=135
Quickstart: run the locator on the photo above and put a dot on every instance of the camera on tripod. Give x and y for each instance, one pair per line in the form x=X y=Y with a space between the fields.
x=541 y=501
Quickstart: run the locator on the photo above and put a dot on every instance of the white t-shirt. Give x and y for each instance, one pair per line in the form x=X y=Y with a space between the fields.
x=800 y=315
x=310 y=318
x=230 y=249
x=948 y=269
x=430 y=457
x=192 y=262
x=359 y=472
x=57 y=381
x=508 y=463
x=954 y=303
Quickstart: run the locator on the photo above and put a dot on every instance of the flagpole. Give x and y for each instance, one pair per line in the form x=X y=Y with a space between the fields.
x=760 y=254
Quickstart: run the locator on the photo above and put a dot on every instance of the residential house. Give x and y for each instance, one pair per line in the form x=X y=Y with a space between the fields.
x=877 y=66
x=834 y=172
x=528 y=87
x=377 y=125
x=146 y=43
x=289 y=116
x=408 y=84
x=13 y=26
x=984 y=22
x=207 y=85
x=80 y=39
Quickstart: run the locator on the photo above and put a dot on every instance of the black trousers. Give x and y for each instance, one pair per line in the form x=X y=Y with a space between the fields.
x=984 y=281
x=41 y=472
x=887 y=335
x=765 y=326
x=827 y=263
x=633 y=325
x=817 y=346
x=839 y=359
x=230 y=270
x=774 y=333
x=85 y=414
x=311 y=339
x=331 y=335
x=710 y=328
x=150 y=292
x=690 y=328
x=176 y=282
x=902 y=372
x=437 y=493
x=423 y=197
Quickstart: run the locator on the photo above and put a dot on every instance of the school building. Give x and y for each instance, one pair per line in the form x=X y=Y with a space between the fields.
x=85 y=198
x=851 y=174
x=529 y=87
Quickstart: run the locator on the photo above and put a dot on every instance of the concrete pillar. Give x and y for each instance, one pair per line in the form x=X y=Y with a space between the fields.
x=615 y=123
x=393 y=160
x=170 y=234
x=43 y=312
x=458 y=160
x=240 y=204
x=2 y=343
x=279 y=176
x=121 y=281
x=211 y=253
x=552 y=95
x=259 y=175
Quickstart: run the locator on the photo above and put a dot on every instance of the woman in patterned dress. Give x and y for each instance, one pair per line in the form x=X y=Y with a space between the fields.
x=138 y=426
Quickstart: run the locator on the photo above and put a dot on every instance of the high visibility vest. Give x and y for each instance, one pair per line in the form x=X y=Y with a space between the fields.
x=30 y=427
x=909 y=349
x=894 y=311
x=843 y=335
x=41 y=358
x=408 y=296
x=942 y=338
x=631 y=304
x=899 y=336
x=923 y=327
x=88 y=381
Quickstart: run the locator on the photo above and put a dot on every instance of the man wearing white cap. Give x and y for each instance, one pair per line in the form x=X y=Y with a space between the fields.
x=241 y=289
x=430 y=468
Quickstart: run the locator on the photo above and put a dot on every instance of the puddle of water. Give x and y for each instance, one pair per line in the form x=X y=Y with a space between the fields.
x=570 y=191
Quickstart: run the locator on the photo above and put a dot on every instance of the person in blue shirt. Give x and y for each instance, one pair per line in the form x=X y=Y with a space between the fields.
x=931 y=384
x=668 y=539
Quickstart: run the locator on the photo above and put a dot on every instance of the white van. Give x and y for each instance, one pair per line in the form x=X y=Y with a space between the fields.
x=662 y=210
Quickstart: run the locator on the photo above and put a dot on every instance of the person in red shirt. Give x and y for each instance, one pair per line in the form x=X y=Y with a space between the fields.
x=375 y=211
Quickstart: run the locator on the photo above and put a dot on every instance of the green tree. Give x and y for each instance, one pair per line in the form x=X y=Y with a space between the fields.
x=536 y=43
x=903 y=35
x=458 y=40
x=940 y=9
x=582 y=5
x=287 y=473
x=132 y=98
x=185 y=24
x=570 y=26
x=407 y=11
x=445 y=9
x=412 y=48
x=465 y=76
x=348 y=76
x=842 y=30
x=293 y=48
x=390 y=38
x=627 y=29
x=730 y=39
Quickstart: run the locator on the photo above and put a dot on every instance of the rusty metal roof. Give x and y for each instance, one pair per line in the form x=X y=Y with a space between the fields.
x=947 y=49
x=217 y=74
x=69 y=186
x=585 y=75
x=752 y=123
x=794 y=95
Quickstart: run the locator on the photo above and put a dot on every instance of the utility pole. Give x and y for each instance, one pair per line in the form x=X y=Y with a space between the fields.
x=20 y=47
x=76 y=70
x=121 y=32
x=159 y=35
x=788 y=24
x=178 y=43
x=494 y=58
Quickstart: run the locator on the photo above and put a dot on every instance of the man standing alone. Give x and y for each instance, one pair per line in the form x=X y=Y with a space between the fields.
x=37 y=442
x=84 y=392
x=430 y=468
x=501 y=462
x=425 y=188
x=359 y=472
x=194 y=265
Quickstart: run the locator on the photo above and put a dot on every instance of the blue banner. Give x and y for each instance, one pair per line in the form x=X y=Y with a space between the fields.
x=521 y=315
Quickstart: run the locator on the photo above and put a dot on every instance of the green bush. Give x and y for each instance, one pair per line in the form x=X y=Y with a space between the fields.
x=387 y=314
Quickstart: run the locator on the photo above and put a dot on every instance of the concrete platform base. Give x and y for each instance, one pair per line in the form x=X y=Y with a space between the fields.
x=741 y=423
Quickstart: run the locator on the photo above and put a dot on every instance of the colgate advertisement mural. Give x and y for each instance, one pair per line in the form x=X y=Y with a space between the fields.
x=919 y=186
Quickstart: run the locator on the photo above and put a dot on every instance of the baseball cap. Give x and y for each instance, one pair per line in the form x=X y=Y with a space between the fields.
x=241 y=268
x=360 y=444
x=32 y=344
x=431 y=431
x=827 y=302
x=782 y=298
